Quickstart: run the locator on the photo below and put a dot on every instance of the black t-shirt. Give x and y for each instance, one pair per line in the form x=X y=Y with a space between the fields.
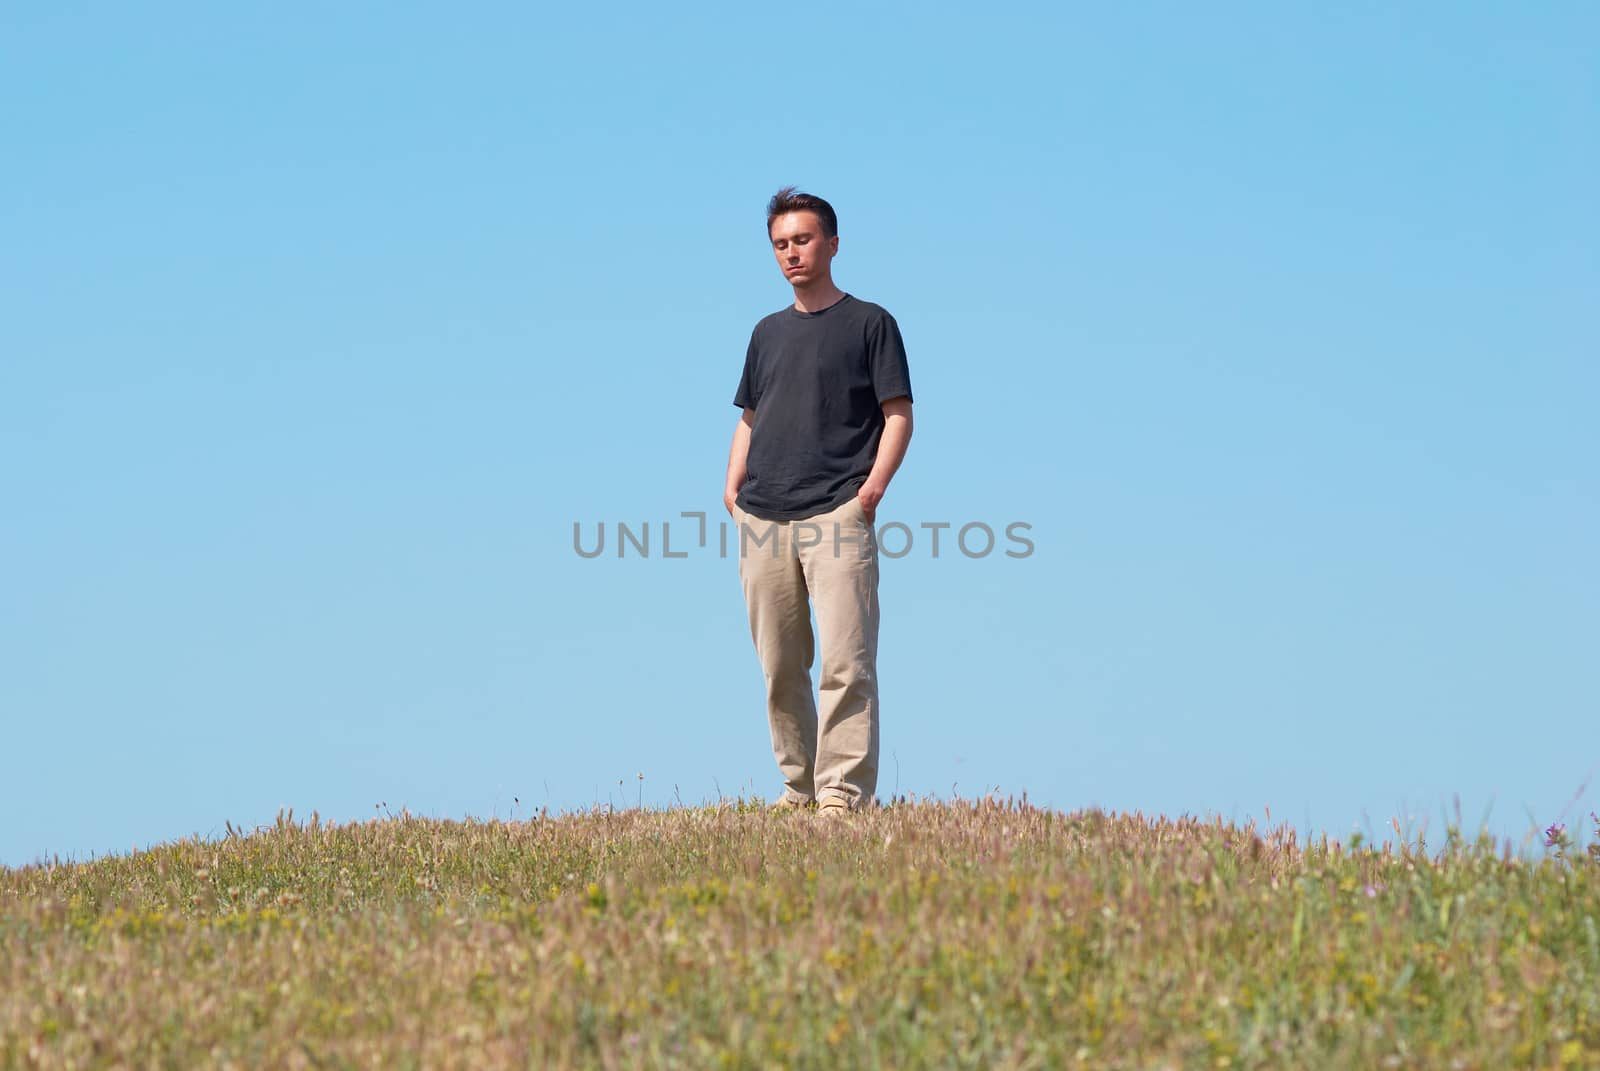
x=817 y=381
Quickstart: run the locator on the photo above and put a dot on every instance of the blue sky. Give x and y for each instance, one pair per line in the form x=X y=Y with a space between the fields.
x=322 y=327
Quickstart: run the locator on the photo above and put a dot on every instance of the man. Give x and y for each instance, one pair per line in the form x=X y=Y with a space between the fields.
x=826 y=395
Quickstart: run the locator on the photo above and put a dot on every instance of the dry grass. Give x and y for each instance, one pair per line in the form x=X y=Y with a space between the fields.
x=982 y=935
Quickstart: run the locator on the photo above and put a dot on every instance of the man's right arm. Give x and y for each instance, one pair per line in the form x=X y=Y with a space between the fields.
x=738 y=454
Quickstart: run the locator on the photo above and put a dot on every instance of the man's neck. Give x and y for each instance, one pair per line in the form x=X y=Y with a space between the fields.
x=817 y=296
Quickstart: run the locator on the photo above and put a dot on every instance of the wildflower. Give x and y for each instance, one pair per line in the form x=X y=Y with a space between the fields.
x=1555 y=836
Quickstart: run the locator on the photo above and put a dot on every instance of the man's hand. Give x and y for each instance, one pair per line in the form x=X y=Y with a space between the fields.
x=728 y=498
x=870 y=494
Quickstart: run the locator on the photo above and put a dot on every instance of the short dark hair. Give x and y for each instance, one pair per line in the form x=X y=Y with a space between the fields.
x=790 y=199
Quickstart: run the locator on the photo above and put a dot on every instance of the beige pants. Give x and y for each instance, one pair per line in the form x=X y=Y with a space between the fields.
x=832 y=558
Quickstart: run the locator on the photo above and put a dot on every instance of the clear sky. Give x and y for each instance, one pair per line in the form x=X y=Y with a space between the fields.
x=321 y=325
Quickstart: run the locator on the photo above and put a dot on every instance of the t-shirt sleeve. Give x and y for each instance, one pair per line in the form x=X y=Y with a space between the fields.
x=749 y=392
x=886 y=360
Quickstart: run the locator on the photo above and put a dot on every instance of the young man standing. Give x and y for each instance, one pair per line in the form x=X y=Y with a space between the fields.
x=826 y=395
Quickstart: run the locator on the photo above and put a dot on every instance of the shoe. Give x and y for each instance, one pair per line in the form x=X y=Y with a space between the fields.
x=787 y=804
x=833 y=807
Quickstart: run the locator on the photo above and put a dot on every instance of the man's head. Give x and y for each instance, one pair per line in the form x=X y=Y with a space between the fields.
x=805 y=236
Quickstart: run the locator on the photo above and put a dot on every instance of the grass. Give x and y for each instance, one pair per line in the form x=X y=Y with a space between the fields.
x=986 y=934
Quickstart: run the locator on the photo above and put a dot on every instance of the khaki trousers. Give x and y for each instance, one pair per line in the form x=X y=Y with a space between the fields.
x=828 y=748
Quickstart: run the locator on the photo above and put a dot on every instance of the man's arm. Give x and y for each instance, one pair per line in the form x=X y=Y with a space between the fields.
x=738 y=454
x=891 y=451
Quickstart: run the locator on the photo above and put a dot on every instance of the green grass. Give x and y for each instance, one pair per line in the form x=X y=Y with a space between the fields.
x=951 y=935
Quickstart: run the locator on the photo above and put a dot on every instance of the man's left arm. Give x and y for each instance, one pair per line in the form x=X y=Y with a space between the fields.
x=891 y=451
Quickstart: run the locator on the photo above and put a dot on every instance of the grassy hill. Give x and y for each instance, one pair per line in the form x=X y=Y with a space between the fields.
x=988 y=934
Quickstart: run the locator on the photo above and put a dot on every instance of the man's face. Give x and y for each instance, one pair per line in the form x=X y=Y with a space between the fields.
x=804 y=255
